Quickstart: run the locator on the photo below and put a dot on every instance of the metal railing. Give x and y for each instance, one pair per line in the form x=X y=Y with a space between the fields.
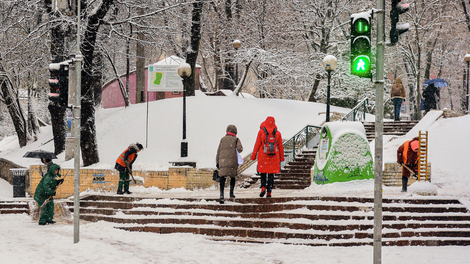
x=358 y=113
x=307 y=137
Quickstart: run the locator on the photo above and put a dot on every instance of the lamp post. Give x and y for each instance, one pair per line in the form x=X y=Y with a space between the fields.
x=467 y=60
x=184 y=70
x=236 y=45
x=329 y=63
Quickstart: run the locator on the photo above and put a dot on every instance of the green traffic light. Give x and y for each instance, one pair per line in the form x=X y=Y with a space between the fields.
x=361 y=26
x=361 y=66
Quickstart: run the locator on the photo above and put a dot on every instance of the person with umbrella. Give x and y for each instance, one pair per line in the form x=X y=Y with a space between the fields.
x=44 y=194
x=431 y=96
x=45 y=157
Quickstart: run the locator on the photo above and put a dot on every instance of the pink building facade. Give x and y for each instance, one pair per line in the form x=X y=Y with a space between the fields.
x=112 y=96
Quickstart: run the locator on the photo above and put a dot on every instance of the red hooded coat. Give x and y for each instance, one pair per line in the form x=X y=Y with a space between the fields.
x=268 y=163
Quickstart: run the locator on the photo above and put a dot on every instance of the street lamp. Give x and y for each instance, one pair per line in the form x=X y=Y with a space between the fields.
x=467 y=60
x=236 y=45
x=329 y=63
x=184 y=70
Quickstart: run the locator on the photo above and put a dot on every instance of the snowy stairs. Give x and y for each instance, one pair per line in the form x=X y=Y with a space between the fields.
x=397 y=128
x=14 y=207
x=294 y=175
x=315 y=221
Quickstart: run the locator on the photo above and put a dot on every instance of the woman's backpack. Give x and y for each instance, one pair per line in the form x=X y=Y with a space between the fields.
x=270 y=143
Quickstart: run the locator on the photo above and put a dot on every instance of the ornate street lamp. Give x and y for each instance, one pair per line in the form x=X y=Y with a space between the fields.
x=329 y=64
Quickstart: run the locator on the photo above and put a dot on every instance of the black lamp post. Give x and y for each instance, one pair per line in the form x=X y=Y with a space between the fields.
x=184 y=70
x=467 y=60
x=329 y=63
x=236 y=45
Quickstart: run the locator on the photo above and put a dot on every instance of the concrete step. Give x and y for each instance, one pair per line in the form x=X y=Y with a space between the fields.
x=13 y=207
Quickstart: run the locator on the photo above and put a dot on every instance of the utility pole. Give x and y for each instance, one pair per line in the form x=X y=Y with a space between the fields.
x=378 y=158
x=76 y=126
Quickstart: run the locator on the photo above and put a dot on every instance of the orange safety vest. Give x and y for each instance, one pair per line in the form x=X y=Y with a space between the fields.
x=130 y=159
x=405 y=151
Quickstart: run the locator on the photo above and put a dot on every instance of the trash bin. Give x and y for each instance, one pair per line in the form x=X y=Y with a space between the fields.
x=19 y=182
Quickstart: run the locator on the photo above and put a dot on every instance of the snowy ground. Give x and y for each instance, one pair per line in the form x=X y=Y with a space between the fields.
x=23 y=241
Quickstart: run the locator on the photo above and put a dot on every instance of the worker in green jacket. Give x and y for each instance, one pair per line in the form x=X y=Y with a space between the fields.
x=46 y=189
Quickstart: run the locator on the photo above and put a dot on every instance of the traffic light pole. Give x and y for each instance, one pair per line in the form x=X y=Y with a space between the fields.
x=378 y=155
x=77 y=120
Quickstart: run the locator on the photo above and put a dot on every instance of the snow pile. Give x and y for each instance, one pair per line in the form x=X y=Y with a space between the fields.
x=351 y=153
x=423 y=188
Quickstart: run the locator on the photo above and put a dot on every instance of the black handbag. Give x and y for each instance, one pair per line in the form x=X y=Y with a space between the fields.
x=215 y=176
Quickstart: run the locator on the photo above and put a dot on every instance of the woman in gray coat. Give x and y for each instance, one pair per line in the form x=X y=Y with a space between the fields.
x=227 y=159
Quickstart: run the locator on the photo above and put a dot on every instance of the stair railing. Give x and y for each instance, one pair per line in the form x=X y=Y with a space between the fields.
x=358 y=113
x=308 y=137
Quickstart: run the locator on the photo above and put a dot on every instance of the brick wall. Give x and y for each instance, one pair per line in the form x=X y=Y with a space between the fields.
x=393 y=172
x=96 y=179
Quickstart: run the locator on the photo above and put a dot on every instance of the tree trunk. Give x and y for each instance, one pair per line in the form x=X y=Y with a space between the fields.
x=467 y=16
x=414 y=106
x=33 y=126
x=140 y=66
x=57 y=112
x=88 y=141
x=191 y=55
x=13 y=108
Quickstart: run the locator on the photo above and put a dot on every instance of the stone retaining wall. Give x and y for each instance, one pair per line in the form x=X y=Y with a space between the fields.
x=5 y=173
x=393 y=172
x=98 y=179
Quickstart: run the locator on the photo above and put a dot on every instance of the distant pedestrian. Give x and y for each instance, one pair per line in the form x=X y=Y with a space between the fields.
x=124 y=166
x=431 y=97
x=227 y=159
x=407 y=155
x=398 y=95
x=270 y=152
x=47 y=164
x=44 y=194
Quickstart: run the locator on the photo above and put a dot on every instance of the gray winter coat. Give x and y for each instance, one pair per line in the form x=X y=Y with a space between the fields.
x=227 y=156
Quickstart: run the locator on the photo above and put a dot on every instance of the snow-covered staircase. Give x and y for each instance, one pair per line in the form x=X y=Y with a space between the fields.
x=315 y=221
x=398 y=128
x=14 y=207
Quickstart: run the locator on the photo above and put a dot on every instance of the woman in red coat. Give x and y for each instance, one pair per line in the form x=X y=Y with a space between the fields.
x=270 y=152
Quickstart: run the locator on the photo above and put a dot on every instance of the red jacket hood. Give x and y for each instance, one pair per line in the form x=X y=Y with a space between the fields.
x=269 y=124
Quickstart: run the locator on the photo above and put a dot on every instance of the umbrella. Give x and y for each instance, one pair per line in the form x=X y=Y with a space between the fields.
x=437 y=82
x=40 y=154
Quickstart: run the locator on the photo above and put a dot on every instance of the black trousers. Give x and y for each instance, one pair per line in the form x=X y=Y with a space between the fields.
x=270 y=185
x=222 y=185
x=404 y=183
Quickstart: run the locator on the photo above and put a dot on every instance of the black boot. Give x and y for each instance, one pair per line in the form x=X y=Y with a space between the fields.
x=232 y=186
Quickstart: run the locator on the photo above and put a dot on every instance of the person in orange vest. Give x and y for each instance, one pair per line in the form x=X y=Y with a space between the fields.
x=124 y=166
x=407 y=155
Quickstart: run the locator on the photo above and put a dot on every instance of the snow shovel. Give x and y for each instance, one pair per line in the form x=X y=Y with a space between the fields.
x=130 y=173
x=37 y=213
x=411 y=171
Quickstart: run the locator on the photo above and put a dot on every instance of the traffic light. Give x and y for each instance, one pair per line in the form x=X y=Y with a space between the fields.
x=361 y=44
x=59 y=83
x=396 y=30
